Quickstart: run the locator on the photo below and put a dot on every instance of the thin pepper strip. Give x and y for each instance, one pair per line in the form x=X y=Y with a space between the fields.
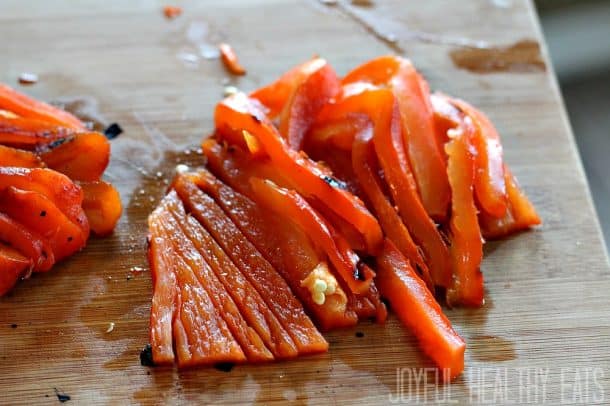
x=83 y=156
x=58 y=188
x=289 y=251
x=30 y=134
x=239 y=113
x=276 y=95
x=257 y=270
x=250 y=303
x=489 y=183
x=309 y=96
x=42 y=217
x=235 y=169
x=32 y=246
x=204 y=305
x=292 y=207
x=366 y=169
x=13 y=266
x=466 y=241
x=520 y=214
x=17 y=157
x=416 y=308
x=26 y=107
x=424 y=153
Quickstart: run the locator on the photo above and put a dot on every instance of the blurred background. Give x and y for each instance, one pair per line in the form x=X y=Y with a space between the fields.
x=578 y=36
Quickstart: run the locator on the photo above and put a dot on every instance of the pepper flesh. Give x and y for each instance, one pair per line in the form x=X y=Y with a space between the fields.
x=238 y=113
x=366 y=169
x=466 y=241
x=16 y=157
x=27 y=107
x=229 y=58
x=13 y=266
x=424 y=153
x=256 y=269
x=289 y=251
x=29 y=244
x=102 y=205
x=416 y=307
x=220 y=306
x=83 y=156
x=29 y=134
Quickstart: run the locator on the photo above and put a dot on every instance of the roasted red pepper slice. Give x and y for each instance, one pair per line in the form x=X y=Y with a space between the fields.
x=227 y=322
x=41 y=216
x=238 y=113
x=102 y=205
x=292 y=207
x=489 y=184
x=13 y=266
x=424 y=153
x=466 y=241
x=309 y=96
x=29 y=134
x=29 y=244
x=520 y=214
x=24 y=106
x=83 y=156
x=366 y=169
x=230 y=60
x=289 y=250
x=58 y=188
x=416 y=307
x=257 y=270
x=17 y=157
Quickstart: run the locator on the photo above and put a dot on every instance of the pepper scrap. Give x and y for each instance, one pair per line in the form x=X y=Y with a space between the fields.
x=229 y=59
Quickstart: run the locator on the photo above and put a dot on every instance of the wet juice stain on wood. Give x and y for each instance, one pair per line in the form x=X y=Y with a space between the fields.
x=490 y=348
x=522 y=57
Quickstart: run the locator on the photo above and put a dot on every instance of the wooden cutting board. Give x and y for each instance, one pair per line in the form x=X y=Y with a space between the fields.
x=546 y=321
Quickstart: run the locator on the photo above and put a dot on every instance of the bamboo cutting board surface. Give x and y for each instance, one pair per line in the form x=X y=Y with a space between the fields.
x=547 y=314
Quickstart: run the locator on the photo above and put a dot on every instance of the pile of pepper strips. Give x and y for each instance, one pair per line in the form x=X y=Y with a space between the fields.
x=321 y=196
x=51 y=195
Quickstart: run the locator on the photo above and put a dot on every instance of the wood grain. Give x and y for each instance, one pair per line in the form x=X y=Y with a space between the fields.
x=547 y=309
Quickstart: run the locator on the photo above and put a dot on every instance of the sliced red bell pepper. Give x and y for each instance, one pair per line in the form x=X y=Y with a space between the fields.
x=58 y=188
x=466 y=241
x=29 y=244
x=250 y=303
x=238 y=113
x=292 y=207
x=424 y=153
x=366 y=169
x=381 y=106
x=13 y=266
x=257 y=270
x=42 y=217
x=102 y=205
x=338 y=131
x=220 y=331
x=290 y=251
x=236 y=169
x=276 y=95
x=319 y=84
x=83 y=156
x=17 y=157
x=489 y=183
x=24 y=106
x=29 y=134
x=416 y=308
x=520 y=214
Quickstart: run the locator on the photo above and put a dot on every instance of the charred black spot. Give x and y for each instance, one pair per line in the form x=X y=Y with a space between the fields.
x=57 y=143
x=70 y=239
x=255 y=118
x=61 y=396
x=43 y=213
x=113 y=131
x=224 y=366
x=14 y=325
x=146 y=358
x=359 y=334
x=334 y=182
